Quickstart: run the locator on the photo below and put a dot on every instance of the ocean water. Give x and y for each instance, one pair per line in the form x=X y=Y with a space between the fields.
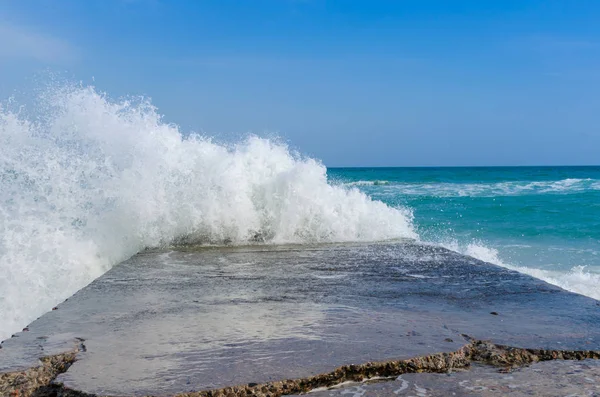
x=87 y=181
x=542 y=221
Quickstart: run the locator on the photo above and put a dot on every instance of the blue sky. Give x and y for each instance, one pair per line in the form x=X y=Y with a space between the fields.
x=354 y=83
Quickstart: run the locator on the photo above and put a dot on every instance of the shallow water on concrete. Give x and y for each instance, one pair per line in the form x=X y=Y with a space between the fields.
x=182 y=320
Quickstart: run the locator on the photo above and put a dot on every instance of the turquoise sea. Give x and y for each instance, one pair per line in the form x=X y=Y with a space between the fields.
x=544 y=221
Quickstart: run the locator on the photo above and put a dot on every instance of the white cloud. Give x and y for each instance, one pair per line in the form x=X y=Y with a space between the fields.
x=19 y=42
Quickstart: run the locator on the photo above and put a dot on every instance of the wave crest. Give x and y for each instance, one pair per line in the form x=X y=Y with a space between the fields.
x=87 y=182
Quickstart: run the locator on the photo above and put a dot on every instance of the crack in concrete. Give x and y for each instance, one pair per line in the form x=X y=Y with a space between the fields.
x=38 y=381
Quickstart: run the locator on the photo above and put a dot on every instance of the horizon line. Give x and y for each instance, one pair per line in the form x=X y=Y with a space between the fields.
x=468 y=166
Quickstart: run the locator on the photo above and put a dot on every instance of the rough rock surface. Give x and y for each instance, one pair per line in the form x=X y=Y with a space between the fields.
x=36 y=381
x=546 y=378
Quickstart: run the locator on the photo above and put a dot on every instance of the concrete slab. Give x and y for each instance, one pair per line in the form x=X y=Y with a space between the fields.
x=169 y=322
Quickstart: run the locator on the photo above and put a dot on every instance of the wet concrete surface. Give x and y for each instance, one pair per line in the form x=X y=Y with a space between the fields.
x=164 y=323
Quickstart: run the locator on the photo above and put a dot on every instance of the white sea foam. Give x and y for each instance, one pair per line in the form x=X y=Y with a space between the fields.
x=367 y=183
x=577 y=279
x=87 y=182
x=516 y=188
